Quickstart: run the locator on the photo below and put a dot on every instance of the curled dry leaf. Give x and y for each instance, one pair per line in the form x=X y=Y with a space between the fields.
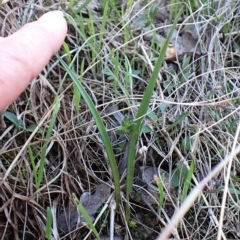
x=156 y=178
x=92 y=202
x=71 y=218
x=185 y=44
x=171 y=52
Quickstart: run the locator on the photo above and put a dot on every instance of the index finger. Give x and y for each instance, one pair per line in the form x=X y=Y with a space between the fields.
x=24 y=54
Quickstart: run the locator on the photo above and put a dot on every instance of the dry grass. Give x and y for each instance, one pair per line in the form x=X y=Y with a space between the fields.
x=114 y=65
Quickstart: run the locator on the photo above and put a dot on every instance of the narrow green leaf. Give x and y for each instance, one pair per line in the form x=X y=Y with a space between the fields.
x=85 y=215
x=101 y=128
x=82 y=6
x=188 y=181
x=49 y=223
x=161 y=192
x=179 y=174
x=141 y=112
x=104 y=20
x=67 y=51
x=186 y=143
x=76 y=92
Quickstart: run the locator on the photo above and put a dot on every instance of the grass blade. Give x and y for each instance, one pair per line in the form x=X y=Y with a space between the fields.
x=85 y=215
x=101 y=128
x=188 y=181
x=141 y=112
x=76 y=93
x=160 y=183
x=49 y=224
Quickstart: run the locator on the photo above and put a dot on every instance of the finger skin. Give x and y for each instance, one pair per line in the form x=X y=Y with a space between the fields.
x=24 y=54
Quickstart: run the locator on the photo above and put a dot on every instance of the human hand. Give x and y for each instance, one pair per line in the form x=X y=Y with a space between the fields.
x=25 y=53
